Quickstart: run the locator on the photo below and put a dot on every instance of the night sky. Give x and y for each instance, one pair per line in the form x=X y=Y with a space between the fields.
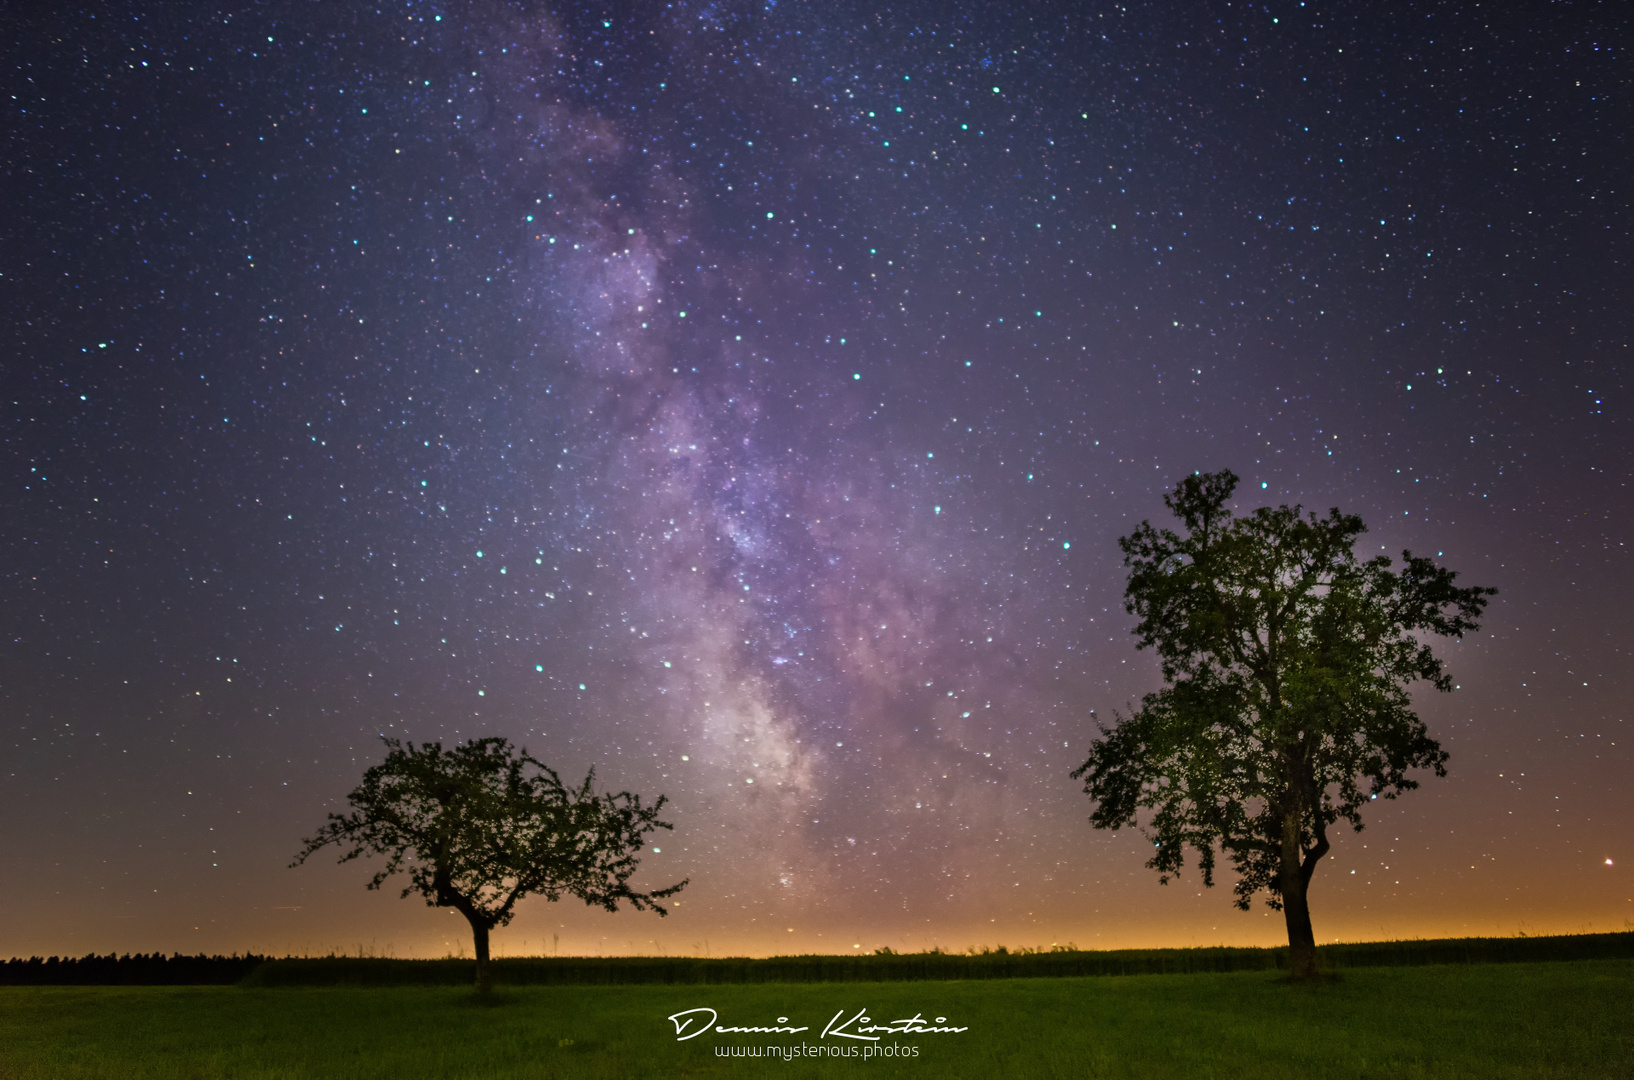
x=746 y=400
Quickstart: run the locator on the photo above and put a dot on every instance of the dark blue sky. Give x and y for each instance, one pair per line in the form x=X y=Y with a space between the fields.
x=746 y=400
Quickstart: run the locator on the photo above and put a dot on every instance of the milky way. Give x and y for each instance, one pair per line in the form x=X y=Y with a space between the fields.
x=789 y=618
x=746 y=401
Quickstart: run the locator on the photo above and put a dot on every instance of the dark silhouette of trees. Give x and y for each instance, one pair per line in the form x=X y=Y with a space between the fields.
x=1288 y=664
x=141 y=969
x=480 y=826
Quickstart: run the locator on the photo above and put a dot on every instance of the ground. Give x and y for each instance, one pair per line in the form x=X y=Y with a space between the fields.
x=1479 y=1021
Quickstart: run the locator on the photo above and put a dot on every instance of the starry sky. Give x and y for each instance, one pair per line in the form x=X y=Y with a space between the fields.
x=745 y=399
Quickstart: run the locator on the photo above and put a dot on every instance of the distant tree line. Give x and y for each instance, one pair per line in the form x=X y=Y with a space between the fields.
x=139 y=969
x=882 y=966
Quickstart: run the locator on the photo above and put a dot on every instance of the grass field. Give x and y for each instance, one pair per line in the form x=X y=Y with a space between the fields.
x=1563 y=1019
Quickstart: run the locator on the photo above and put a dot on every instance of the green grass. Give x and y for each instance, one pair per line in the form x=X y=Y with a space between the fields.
x=1563 y=1019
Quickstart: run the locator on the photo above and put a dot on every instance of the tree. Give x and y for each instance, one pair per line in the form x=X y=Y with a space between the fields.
x=481 y=826
x=1287 y=665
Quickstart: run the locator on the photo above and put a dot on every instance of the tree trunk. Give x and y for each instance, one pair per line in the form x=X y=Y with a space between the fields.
x=485 y=972
x=1293 y=880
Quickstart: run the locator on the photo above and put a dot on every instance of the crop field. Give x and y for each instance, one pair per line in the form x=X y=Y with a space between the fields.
x=1565 y=1019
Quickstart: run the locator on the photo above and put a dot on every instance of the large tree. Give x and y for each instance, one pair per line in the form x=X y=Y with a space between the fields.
x=481 y=826
x=1287 y=665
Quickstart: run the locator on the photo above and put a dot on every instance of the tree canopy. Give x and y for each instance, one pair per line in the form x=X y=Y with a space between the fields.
x=481 y=826
x=1288 y=665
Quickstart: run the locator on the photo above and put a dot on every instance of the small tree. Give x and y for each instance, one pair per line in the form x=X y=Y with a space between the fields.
x=1288 y=665
x=481 y=826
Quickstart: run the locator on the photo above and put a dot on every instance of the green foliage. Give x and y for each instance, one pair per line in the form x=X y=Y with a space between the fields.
x=480 y=826
x=1289 y=664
